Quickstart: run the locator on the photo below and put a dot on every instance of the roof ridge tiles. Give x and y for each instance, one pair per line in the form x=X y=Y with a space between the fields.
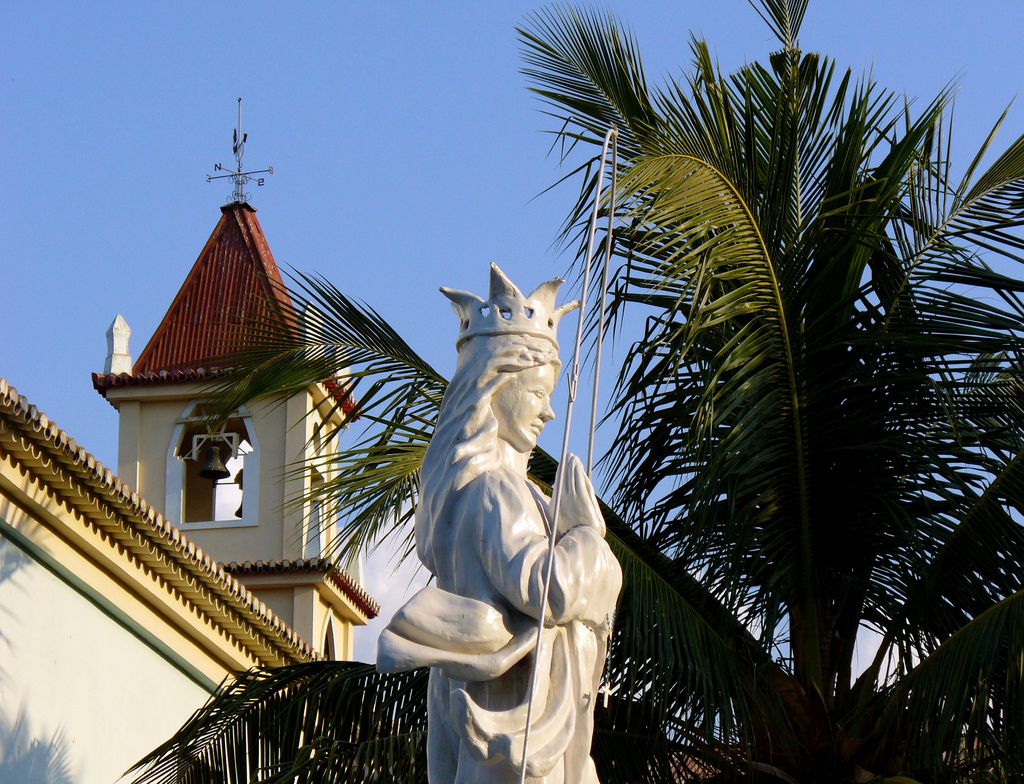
x=341 y=578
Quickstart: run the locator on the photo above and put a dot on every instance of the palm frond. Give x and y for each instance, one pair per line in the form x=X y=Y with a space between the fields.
x=814 y=295
x=964 y=705
x=588 y=66
x=328 y=722
x=679 y=657
x=949 y=227
x=979 y=563
x=784 y=17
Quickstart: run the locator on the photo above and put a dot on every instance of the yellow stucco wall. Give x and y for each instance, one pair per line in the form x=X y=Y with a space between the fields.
x=148 y=418
x=31 y=511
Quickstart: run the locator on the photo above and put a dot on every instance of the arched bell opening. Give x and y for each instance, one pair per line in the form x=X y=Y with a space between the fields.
x=207 y=470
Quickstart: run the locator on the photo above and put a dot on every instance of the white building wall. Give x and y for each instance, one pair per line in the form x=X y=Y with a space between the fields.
x=83 y=694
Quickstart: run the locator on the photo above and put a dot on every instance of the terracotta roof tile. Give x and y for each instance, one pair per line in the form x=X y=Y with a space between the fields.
x=338 y=576
x=234 y=279
x=104 y=382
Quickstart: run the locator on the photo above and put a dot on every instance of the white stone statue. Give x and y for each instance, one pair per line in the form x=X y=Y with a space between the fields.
x=482 y=531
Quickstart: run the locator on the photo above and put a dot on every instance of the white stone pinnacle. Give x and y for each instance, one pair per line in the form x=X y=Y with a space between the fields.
x=118 y=359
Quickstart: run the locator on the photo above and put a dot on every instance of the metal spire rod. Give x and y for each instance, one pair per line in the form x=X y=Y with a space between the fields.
x=239 y=149
x=613 y=132
x=610 y=139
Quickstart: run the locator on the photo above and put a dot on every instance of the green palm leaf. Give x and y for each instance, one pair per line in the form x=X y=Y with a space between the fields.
x=328 y=336
x=329 y=722
x=964 y=704
x=783 y=17
x=802 y=421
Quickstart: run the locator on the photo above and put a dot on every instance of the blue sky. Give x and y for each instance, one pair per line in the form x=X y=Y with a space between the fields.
x=406 y=149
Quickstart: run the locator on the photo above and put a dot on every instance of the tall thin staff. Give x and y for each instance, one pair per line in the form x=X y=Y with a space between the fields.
x=611 y=138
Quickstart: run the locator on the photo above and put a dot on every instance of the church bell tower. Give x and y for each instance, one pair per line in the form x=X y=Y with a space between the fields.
x=235 y=492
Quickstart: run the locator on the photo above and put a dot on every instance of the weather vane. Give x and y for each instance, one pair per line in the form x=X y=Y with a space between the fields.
x=239 y=177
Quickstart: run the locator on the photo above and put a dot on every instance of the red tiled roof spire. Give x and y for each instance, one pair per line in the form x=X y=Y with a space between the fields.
x=234 y=279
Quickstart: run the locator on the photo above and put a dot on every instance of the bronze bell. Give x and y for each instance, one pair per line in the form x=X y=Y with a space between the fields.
x=214 y=468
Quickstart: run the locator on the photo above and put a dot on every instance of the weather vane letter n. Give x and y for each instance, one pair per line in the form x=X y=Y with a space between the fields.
x=238 y=177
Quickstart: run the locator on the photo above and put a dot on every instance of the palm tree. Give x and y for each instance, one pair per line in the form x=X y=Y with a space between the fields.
x=819 y=438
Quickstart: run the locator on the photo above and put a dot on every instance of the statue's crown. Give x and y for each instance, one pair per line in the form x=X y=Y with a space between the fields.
x=507 y=312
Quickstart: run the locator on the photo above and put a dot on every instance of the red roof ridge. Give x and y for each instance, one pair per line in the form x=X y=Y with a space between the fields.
x=104 y=382
x=342 y=579
x=234 y=278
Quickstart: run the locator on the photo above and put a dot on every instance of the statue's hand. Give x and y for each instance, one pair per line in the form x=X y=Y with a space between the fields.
x=579 y=505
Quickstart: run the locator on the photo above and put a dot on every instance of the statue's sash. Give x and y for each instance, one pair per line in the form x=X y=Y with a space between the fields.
x=468 y=639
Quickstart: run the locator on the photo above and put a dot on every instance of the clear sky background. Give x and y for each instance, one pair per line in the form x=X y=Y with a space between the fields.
x=407 y=152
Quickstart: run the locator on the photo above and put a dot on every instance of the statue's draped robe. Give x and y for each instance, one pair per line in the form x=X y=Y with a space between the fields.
x=476 y=627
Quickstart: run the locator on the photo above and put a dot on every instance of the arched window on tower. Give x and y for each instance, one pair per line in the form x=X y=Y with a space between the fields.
x=328 y=649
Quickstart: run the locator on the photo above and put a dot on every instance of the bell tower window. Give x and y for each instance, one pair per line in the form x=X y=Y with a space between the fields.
x=206 y=472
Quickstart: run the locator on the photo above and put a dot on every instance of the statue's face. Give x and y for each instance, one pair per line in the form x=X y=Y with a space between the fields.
x=523 y=406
